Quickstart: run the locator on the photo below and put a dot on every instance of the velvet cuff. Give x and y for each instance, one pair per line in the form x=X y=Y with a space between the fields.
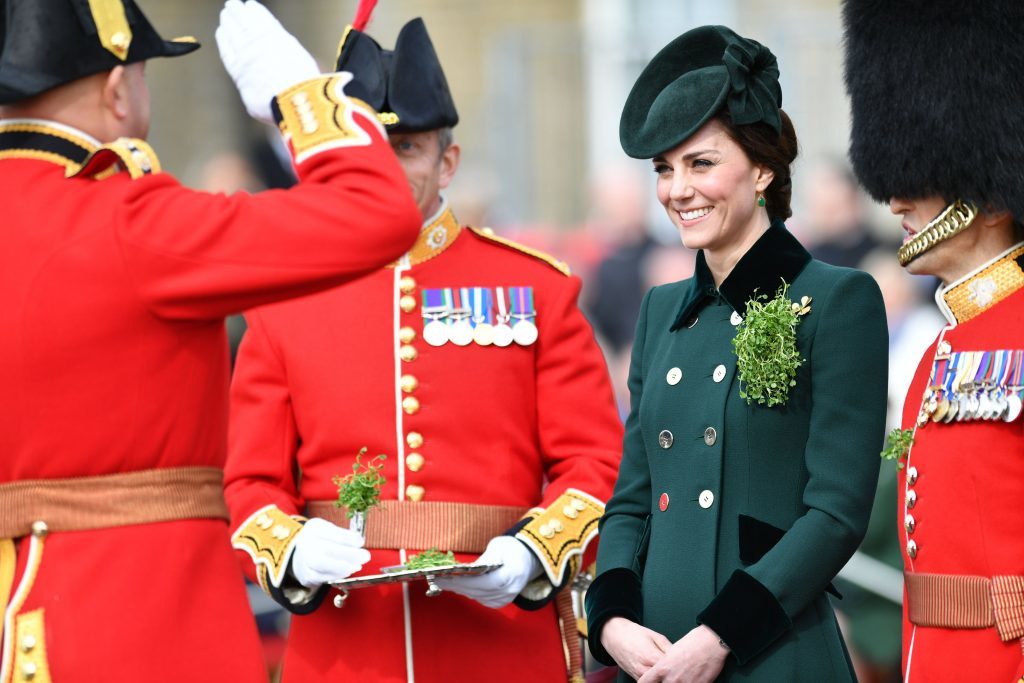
x=615 y=593
x=746 y=616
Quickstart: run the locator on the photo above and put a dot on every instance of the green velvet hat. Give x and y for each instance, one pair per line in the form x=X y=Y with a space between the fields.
x=690 y=81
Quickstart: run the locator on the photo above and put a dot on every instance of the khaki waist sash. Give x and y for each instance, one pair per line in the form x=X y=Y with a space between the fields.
x=954 y=601
x=459 y=527
x=110 y=500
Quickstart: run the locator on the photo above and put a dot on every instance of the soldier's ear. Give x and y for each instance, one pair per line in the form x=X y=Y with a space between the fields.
x=115 y=93
x=449 y=164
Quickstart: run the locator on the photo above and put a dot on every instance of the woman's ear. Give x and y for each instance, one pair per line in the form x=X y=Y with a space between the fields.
x=764 y=178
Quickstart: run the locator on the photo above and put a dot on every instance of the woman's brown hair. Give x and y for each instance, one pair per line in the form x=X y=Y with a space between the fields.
x=764 y=147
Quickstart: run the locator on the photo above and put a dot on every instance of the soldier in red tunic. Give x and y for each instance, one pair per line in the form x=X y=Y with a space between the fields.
x=936 y=91
x=115 y=559
x=468 y=364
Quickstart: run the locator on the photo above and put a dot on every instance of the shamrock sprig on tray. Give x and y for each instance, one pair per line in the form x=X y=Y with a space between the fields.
x=765 y=344
x=430 y=558
x=359 y=491
x=897 y=445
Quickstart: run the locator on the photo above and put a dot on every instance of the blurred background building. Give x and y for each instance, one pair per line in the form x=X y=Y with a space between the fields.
x=539 y=85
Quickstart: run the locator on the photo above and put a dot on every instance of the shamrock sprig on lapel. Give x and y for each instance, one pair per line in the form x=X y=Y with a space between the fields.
x=765 y=345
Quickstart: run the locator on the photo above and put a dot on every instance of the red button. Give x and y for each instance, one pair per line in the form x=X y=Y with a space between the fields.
x=663 y=502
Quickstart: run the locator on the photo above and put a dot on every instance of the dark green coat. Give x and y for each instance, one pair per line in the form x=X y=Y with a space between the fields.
x=765 y=510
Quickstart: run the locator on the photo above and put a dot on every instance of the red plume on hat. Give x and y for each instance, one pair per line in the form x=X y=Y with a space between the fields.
x=363 y=14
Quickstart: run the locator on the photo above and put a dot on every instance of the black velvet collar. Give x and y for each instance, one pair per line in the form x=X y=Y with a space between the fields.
x=775 y=257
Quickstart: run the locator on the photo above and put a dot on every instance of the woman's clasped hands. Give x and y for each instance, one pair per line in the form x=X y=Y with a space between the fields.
x=650 y=657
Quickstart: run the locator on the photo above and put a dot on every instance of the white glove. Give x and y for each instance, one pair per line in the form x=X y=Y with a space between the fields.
x=261 y=57
x=500 y=587
x=325 y=553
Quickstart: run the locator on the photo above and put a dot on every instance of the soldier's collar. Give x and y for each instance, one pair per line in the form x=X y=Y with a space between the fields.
x=436 y=235
x=46 y=141
x=775 y=257
x=982 y=288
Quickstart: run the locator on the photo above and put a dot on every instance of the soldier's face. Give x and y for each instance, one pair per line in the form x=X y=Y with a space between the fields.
x=709 y=187
x=917 y=213
x=427 y=168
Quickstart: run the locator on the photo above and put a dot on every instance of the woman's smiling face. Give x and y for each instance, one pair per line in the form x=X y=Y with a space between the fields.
x=709 y=187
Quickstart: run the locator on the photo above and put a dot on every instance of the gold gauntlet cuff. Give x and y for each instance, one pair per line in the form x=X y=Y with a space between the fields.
x=268 y=536
x=559 y=535
x=316 y=115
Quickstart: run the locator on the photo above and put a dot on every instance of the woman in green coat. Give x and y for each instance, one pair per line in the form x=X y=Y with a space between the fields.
x=758 y=399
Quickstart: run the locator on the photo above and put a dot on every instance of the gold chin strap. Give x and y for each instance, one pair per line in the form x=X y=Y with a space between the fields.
x=953 y=220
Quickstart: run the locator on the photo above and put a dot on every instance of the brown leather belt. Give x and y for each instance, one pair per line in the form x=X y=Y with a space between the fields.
x=954 y=601
x=459 y=527
x=84 y=503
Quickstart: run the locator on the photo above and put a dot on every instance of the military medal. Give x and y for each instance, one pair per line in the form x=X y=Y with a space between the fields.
x=435 y=311
x=524 y=332
x=502 y=330
x=480 y=300
x=461 y=332
x=1013 y=387
x=948 y=391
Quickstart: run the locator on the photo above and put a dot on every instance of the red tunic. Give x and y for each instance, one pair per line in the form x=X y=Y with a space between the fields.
x=969 y=481
x=113 y=359
x=319 y=378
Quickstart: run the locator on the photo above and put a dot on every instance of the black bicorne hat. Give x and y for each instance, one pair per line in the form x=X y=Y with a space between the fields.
x=406 y=85
x=46 y=43
x=936 y=91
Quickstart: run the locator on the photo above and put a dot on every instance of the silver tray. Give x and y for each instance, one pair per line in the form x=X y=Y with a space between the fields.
x=397 y=574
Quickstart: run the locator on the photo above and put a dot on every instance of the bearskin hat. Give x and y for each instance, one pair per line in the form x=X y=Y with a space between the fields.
x=937 y=92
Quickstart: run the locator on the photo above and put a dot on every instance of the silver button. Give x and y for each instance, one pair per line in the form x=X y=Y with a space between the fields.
x=710 y=436
x=909 y=523
x=912 y=549
x=911 y=475
x=665 y=439
x=706 y=499
x=719 y=373
x=735 y=318
x=911 y=499
x=673 y=376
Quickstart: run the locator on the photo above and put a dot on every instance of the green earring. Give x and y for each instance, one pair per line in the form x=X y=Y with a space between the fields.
x=760 y=199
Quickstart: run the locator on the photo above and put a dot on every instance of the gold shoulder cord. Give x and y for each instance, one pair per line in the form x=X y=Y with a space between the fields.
x=953 y=220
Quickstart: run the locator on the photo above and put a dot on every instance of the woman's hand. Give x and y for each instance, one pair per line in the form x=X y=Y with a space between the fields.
x=634 y=648
x=697 y=657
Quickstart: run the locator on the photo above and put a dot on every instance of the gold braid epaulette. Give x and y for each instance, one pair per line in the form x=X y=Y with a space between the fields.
x=561 y=266
x=132 y=154
x=559 y=534
x=268 y=537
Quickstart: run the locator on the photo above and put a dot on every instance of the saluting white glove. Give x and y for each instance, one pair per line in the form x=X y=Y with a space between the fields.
x=325 y=553
x=500 y=587
x=261 y=57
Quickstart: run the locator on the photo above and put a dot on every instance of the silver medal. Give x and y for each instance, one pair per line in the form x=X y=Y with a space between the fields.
x=461 y=332
x=502 y=334
x=435 y=333
x=1013 y=407
x=524 y=332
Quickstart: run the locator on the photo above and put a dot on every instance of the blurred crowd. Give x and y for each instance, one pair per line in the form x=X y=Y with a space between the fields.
x=621 y=251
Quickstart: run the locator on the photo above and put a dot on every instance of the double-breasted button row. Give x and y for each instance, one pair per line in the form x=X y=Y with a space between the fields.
x=675 y=375
x=909 y=523
x=409 y=383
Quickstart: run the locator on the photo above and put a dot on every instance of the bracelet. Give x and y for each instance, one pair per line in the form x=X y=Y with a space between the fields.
x=724 y=646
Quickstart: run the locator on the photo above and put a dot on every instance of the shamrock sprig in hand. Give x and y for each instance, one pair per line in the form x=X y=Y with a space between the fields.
x=360 y=491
